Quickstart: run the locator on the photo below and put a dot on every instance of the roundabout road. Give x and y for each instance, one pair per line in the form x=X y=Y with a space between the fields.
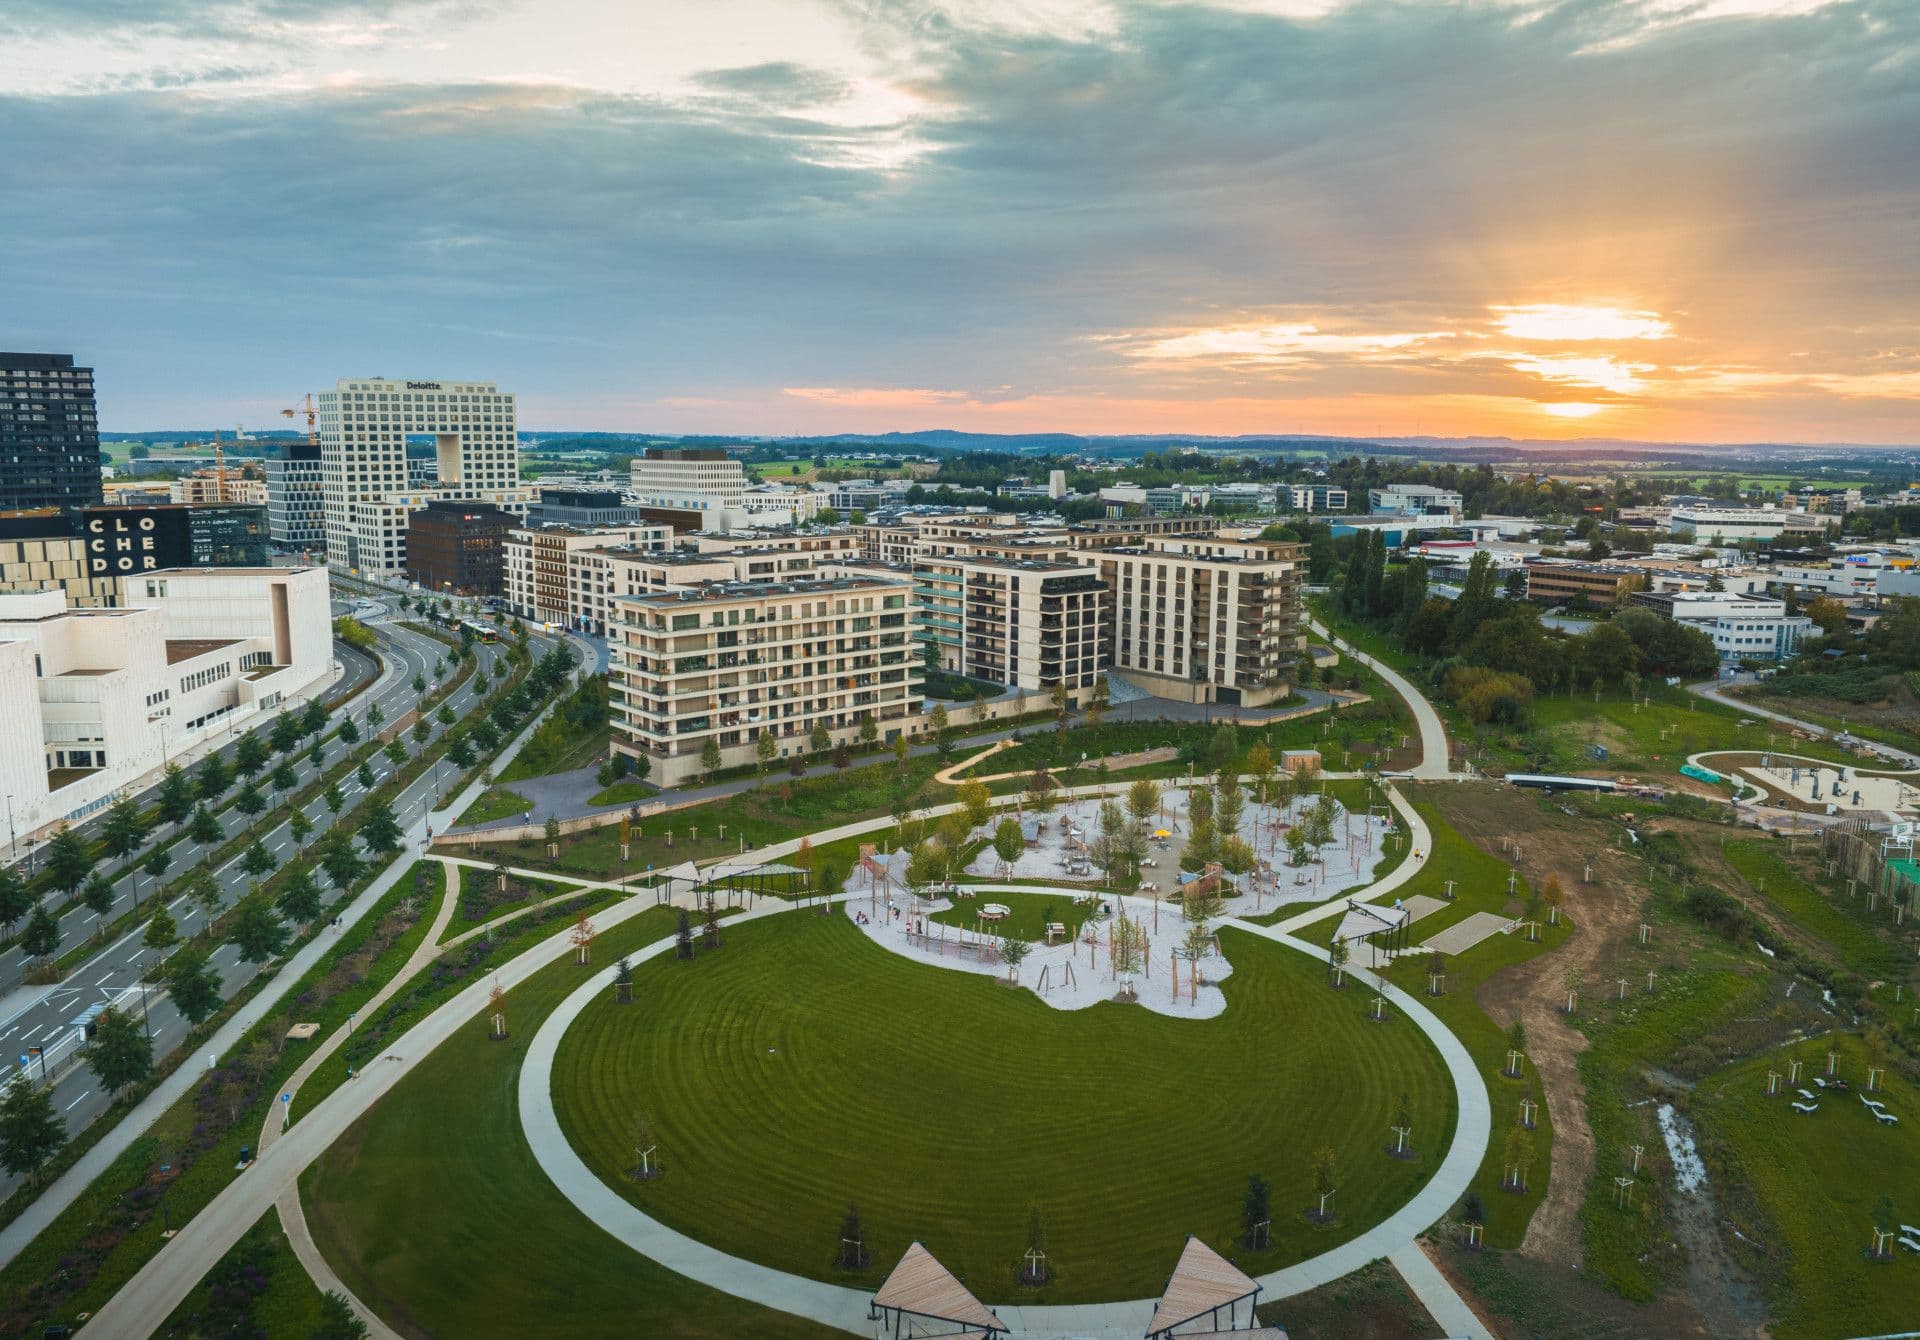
x=845 y=1308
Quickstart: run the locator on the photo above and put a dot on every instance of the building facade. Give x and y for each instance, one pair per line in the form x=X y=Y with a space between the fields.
x=733 y=663
x=554 y=574
x=1414 y=500
x=366 y=427
x=457 y=547
x=100 y=699
x=1317 y=497
x=1018 y=623
x=296 y=497
x=1205 y=619
x=49 y=433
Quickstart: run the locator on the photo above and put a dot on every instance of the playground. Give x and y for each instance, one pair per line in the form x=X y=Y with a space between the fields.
x=1817 y=785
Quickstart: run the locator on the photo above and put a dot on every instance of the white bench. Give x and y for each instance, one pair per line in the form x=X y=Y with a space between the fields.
x=1886 y=1118
x=1910 y=1244
x=1806 y=1107
x=1807 y=1094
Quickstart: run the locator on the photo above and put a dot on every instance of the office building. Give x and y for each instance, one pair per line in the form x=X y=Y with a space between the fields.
x=1414 y=500
x=366 y=427
x=1205 y=618
x=1555 y=581
x=694 y=489
x=99 y=700
x=44 y=550
x=457 y=547
x=49 y=433
x=572 y=506
x=1316 y=497
x=1743 y=627
x=296 y=497
x=733 y=663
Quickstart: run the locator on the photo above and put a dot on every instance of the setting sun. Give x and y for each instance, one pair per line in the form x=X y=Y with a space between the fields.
x=1572 y=409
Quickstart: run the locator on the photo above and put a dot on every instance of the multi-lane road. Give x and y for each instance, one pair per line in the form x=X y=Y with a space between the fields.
x=119 y=968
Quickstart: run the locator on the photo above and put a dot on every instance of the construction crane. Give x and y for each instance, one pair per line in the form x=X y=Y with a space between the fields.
x=307 y=409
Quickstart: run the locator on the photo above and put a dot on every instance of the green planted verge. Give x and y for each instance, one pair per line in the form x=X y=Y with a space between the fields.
x=755 y=1069
x=621 y=793
x=1836 y=919
x=455 y=968
x=189 y=1153
x=1803 y=1189
x=496 y=802
x=258 y=1288
x=508 y=1256
x=573 y=736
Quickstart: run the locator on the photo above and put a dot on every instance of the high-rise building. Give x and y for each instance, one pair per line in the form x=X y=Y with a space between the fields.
x=49 y=432
x=366 y=426
x=455 y=547
x=296 y=498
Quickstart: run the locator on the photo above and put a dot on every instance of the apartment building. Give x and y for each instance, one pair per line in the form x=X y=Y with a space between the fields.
x=206 y=487
x=100 y=699
x=556 y=574
x=296 y=497
x=366 y=427
x=1204 y=618
x=733 y=662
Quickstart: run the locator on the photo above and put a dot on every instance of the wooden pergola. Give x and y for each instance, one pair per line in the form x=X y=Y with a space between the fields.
x=1363 y=921
x=1202 y=1285
x=921 y=1297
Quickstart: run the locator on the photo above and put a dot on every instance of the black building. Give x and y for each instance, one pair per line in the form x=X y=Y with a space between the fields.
x=49 y=433
x=455 y=546
x=123 y=540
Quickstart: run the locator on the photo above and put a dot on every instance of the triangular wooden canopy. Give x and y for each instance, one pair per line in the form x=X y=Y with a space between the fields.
x=924 y=1287
x=1203 y=1281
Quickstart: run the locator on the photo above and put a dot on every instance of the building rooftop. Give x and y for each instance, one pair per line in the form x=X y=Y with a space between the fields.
x=186 y=648
x=728 y=591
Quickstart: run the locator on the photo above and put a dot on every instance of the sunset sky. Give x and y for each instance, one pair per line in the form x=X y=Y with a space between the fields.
x=1670 y=220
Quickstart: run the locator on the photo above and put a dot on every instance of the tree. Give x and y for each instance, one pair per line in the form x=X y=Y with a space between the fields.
x=765 y=750
x=379 y=830
x=1256 y=1212
x=300 y=897
x=120 y=1052
x=1403 y=1123
x=256 y=860
x=976 y=802
x=942 y=737
x=1098 y=701
x=1886 y=1220
x=192 y=986
x=313 y=717
x=1008 y=844
x=41 y=938
x=205 y=893
x=1060 y=699
x=820 y=739
x=869 y=733
x=1012 y=953
x=249 y=756
x=68 y=861
x=214 y=779
x=710 y=755
x=419 y=683
x=257 y=932
x=1337 y=956
x=396 y=753
x=31 y=1132
x=161 y=934
x=337 y=1321
x=335 y=799
x=1323 y=1187
x=1829 y=615
x=250 y=802
x=852 y=1253
x=205 y=828
x=15 y=901
x=349 y=733
x=421 y=731
x=123 y=830
x=1143 y=800
x=683 y=936
x=1039 y=794
x=173 y=798
x=285 y=733
x=299 y=827
x=364 y=775
x=283 y=777
x=97 y=895
x=445 y=715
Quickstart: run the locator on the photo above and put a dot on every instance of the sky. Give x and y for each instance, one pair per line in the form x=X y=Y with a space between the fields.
x=1673 y=220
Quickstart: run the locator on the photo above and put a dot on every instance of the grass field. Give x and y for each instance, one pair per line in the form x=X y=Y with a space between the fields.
x=496 y=802
x=801 y=1067
x=508 y=1256
x=1027 y=914
x=1839 y=921
x=1815 y=1180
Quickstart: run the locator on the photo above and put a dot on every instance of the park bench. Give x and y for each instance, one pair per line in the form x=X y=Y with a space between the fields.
x=1806 y=1107
x=1886 y=1118
x=1807 y=1094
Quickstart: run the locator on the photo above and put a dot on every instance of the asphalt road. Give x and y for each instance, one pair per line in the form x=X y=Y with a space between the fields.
x=121 y=964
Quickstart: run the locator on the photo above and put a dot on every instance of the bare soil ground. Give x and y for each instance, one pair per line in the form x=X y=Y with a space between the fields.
x=1604 y=913
x=1525 y=1299
x=1373 y=1303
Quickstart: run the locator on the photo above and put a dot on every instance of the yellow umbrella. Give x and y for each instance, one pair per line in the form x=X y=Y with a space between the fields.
x=1161 y=832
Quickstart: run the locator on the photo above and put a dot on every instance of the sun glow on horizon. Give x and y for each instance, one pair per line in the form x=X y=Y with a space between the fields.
x=1564 y=321
x=1572 y=409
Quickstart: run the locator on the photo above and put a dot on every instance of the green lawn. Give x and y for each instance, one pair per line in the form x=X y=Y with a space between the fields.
x=1815 y=1179
x=1838 y=920
x=260 y=1279
x=802 y=1067
x=496 y=802
x=507 y=1256
x=1028 y=914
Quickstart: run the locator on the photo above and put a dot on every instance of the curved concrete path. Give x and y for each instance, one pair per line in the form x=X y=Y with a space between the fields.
x=1434 y=762
x=845 y=1308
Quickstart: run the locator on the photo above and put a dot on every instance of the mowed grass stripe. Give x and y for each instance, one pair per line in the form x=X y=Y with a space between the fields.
x=801 y=1067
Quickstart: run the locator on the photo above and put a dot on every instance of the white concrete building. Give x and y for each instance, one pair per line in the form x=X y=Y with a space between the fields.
x=1414 y=500
x=100 y=699
x=365 y=428
x=1743 y=627
x=1317 y=497
x=560 y=574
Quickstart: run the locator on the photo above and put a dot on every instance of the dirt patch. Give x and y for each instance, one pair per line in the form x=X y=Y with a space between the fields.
x=1372 y=1303
x=1604 y=913
x=1523 y=1299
